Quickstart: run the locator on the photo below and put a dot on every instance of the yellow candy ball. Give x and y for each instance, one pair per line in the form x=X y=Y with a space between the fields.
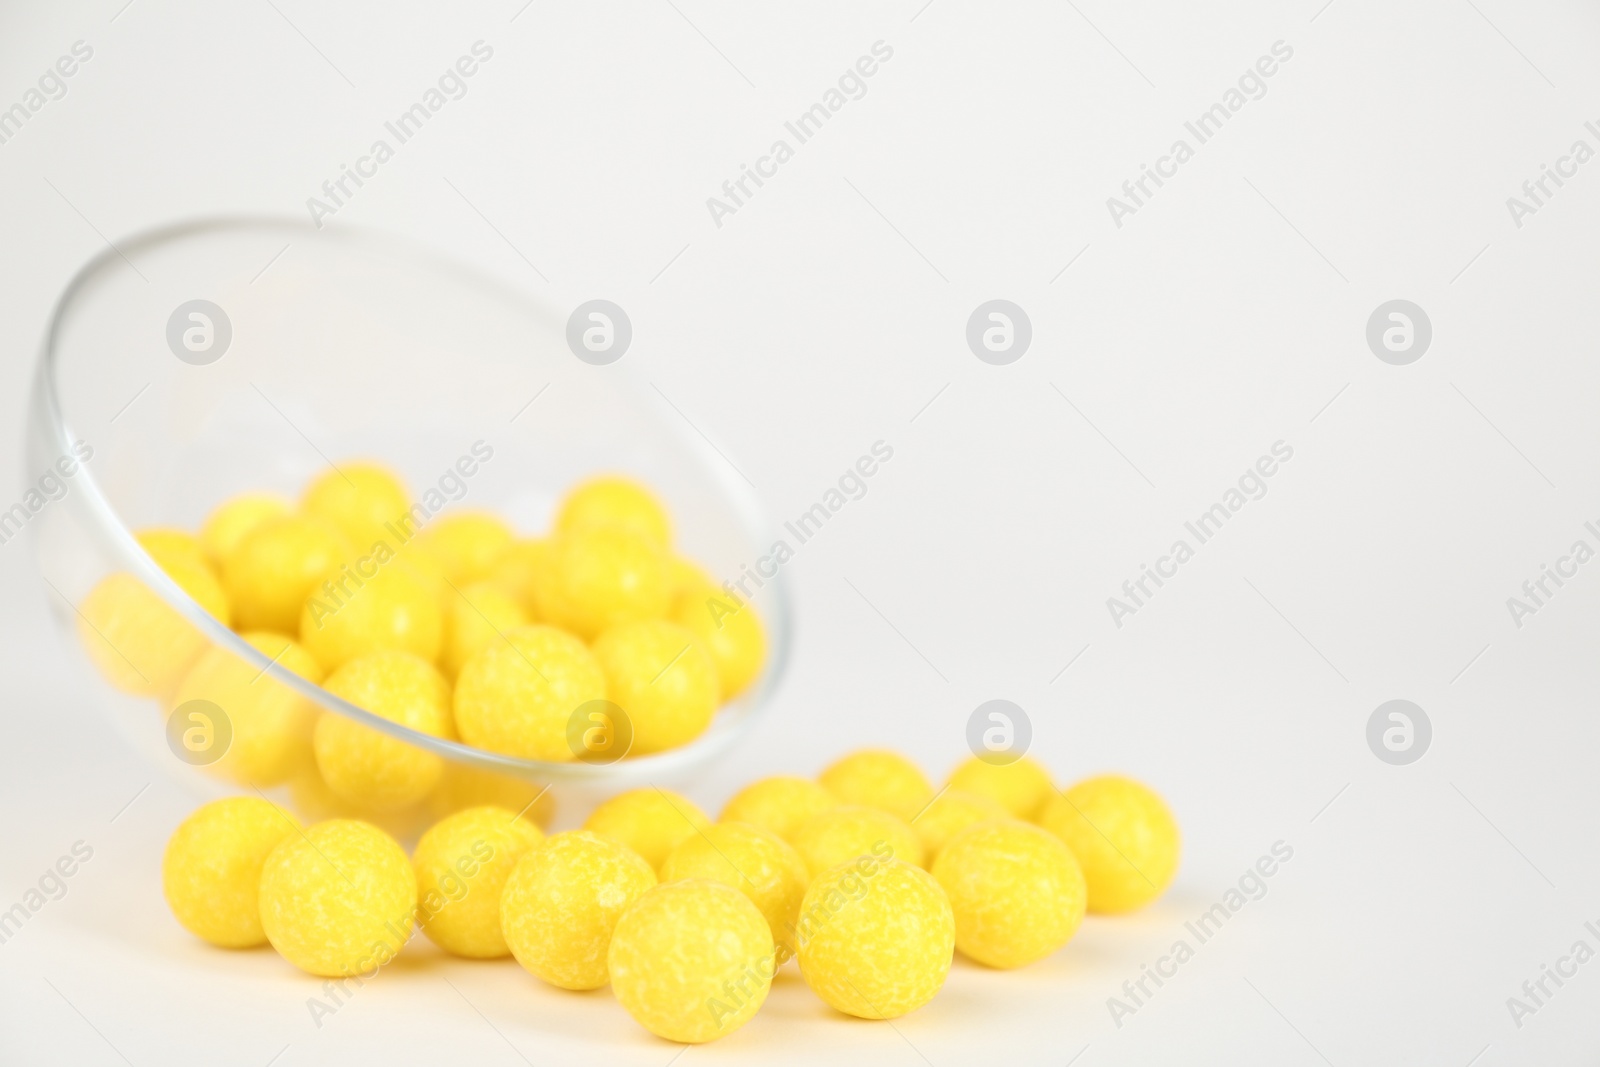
x=662 y=678
x=601 y=576
x=520 y=569
x=270 y=723
x=178 y=554
x=876 y=938
x=729 y=630
x=366 y=767
x=1019 y=787
x=517 y=695
x=462 y=865
x=612 y=500
x=164 y=542
x=782 y=804
x=363 y=606
x=846 y=832
x=466 y=543
x=562 y=902
x=226 y=526
x=464 y=787
x=1016 y=891
x=756 y=862
x=338 y=900
x=276 y=567
x=650 y=821
x=951 y=812
x=313 y=801
x=879 y=779
x=691 y=961
x=360 y=500
x=475 y=616
x=1123 y=836
x=211 y=871
x=137 y=641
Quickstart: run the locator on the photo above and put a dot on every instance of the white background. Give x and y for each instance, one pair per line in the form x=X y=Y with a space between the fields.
x=826 y=314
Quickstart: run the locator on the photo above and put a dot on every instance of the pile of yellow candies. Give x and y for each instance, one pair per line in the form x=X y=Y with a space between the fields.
x=867 y=875
x=453 y=626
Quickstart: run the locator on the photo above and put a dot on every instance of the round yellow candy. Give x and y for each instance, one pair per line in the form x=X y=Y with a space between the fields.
x=464 y=787
x=876 y=938
x=361 y=501
x=1015 y=889
x=842 y=834
x=275 y=567
x=462 y=865
x=164 y=542
x=662 y=679
x=756 y=862
x=730 y=630
x=600 y=576
x=270 y=723
x=139 y=643
x=782 y=804
x=879 y=779
x=692 y=961
x=1019 y=787
x=650 y=821
x=466 y=543
x=475 y=616
x=338 y=900
x=951 y=812
x=1123 y=836
x=364 y=606
x=612 y=500
x=366 y=767
x=562 y=902
x=211 y=871
x=178 y=554
x=520 y=569
x=225 y=527
x=517 y=695
x=313 y=801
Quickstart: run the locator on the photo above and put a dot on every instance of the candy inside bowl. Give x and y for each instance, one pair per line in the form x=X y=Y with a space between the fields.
x=320 y=372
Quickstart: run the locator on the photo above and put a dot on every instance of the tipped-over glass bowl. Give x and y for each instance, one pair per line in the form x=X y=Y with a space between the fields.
x=332 y=345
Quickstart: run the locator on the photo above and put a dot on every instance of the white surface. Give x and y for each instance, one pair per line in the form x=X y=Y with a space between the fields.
x=808 y=326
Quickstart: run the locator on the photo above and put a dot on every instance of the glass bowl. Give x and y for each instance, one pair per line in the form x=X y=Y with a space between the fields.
x=317 y=347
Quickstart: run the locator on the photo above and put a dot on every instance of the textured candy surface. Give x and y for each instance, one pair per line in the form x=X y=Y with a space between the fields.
x=476 y=615
x=517 y=696
x=781 y=803
x=843 y=833
x=211 y=871
x=950 y=812
x=365 y=605
x=462 y=865
x=879 y=779
x=361 y=500
x=270 y=723
x=692 y=960
x=661 y=676
x=562 y=902
x=1020 y=787
x=276 y=566
x=1123 y=836
x=650 y=821
x=756 y=862
x=1016 y=891
x=600 y=576
x=364 y=766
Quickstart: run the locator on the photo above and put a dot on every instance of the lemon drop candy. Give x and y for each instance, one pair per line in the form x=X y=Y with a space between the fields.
x=948 y=814
x=691 y=961
x=600 y=576
x=662 y=679
x=372 y=603
x=850 y=831
x=1020 y=786
x=368 y=768
x=650 y=821
x=462 y=864
x=729 y=629
x=1123 y=836
x=879 y=779
x=225 y=527
x=211 y=870
x=753 y=861
x=339 y=899
x=517 y=695
x=612 y=500
x=361 y=501
x=137 y=641
x=520 y=569
x=1015 y=890
x=467 y=544
x=781 y=803
x=475 y=616
x=876 y=938
x=275 y=567
x=271 y=723
x=562 y=902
